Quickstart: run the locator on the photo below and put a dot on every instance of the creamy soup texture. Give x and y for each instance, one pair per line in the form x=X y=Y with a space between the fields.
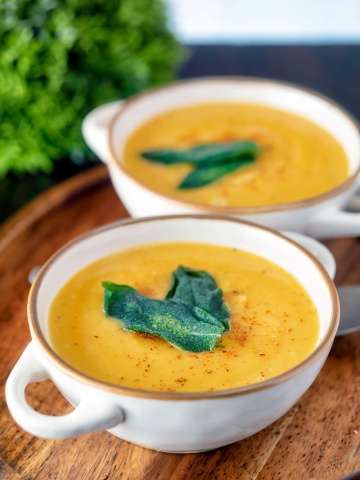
x=299 y=160
x=274 y=323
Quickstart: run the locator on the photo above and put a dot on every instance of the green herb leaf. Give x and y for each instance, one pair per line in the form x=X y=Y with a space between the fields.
x=210 y=173
x=54 y=52
x=198 y=288
x=167 y=156
x=212 y=161
x=192 y=317
x=189 y=328
x=203 y=154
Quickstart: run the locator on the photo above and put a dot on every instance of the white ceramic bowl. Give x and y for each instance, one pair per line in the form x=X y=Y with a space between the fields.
x=107 y=128
x=168 y=421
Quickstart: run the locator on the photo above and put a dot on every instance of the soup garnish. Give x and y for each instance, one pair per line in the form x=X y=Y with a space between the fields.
x=192 y=317
x=297 y=159
x=212 y=161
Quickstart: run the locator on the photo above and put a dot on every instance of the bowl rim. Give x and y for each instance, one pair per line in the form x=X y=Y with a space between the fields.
x=219 y=209
x=39 y=338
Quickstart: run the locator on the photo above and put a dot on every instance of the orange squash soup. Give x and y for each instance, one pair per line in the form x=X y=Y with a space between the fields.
x=298 y=159
x=273 y=322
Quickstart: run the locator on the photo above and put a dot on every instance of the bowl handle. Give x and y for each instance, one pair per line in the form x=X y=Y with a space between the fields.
x=90 y=415
x=95 y=128
x=334 y=223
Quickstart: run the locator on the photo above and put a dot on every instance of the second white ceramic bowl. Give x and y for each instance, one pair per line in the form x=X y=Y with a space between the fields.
x=107 y=129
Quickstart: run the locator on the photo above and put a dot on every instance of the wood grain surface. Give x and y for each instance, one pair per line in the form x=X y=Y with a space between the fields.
x=319 y=438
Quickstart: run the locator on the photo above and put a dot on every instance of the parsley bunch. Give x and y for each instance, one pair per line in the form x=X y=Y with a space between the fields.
x=59 y=59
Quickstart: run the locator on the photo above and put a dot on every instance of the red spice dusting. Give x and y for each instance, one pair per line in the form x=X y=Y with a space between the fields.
x=181 y=380
x=147 y=291
x=147 y=335
x=228 y=137
x=241 y=338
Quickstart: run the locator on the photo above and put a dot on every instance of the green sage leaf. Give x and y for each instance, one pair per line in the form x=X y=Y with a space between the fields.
x=198 y=288
x=204 y=175
x=203 y=154
x=192 y=316
x=189 y=328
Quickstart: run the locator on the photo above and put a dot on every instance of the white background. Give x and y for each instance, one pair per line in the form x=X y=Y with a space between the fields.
x=265 y=21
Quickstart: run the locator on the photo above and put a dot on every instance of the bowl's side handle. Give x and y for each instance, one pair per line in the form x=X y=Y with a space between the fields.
x=95 y=128
x=334 y=222
x=91 y=414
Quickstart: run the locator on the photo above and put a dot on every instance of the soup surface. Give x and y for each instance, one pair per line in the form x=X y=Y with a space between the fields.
x=299 y=159
x=274 y=323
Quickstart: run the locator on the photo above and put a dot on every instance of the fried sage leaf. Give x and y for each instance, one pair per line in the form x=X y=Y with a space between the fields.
x=204 y=175
x=192 y=317
x=198 y=288
x=211 y=161
x=203 y=154
x=189 y=328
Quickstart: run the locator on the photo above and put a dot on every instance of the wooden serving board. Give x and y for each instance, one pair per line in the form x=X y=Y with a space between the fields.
x=318 y=439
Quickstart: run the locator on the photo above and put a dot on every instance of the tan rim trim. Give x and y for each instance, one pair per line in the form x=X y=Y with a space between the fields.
x=39 y=338
x=343 y=187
